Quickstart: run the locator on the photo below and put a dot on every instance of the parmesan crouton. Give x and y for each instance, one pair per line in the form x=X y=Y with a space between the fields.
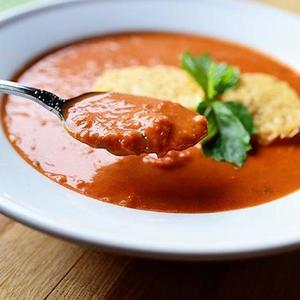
x=162 y=82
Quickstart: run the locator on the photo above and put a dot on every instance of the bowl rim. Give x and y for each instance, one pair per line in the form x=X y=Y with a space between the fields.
x=16 y=212
x=35 y=7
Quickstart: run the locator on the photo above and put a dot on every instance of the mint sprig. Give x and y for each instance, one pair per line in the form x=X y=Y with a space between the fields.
x=230 y=124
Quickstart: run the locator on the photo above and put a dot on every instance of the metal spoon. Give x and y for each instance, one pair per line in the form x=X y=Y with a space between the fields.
x=47 y=99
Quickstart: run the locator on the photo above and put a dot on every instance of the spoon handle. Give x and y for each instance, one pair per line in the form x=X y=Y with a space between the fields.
x=48 y=100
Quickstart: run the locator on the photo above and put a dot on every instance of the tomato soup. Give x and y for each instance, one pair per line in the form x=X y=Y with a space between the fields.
x=126 y=124
x=183 y=181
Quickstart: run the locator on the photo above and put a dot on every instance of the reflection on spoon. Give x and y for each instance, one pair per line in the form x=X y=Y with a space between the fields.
x=122 y=124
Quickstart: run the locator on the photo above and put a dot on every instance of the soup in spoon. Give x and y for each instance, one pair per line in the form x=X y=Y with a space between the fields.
x=126 y=124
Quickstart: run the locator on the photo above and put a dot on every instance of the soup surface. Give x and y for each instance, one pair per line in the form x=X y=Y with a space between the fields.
x=179 y=182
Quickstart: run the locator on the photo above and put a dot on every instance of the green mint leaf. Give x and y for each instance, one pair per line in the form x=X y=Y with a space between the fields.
x=198 y=68
x=214 y=78
x=226 y=78
x=232 y=141
x=230 y=124
x=212 y=128
x=204 y=108
x=243 y=114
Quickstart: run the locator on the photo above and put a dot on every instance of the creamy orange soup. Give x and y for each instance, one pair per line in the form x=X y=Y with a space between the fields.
x=126 y=124
x=180 y=182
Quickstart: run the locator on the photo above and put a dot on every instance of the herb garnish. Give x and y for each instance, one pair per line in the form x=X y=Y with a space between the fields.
x=230 y=124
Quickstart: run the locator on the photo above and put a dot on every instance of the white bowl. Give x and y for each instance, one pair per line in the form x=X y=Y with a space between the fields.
x=33 y=199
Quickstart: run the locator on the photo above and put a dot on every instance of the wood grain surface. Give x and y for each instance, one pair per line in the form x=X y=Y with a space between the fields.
x=36 y=266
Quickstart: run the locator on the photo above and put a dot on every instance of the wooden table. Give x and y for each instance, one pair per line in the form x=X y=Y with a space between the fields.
x=36 y=266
